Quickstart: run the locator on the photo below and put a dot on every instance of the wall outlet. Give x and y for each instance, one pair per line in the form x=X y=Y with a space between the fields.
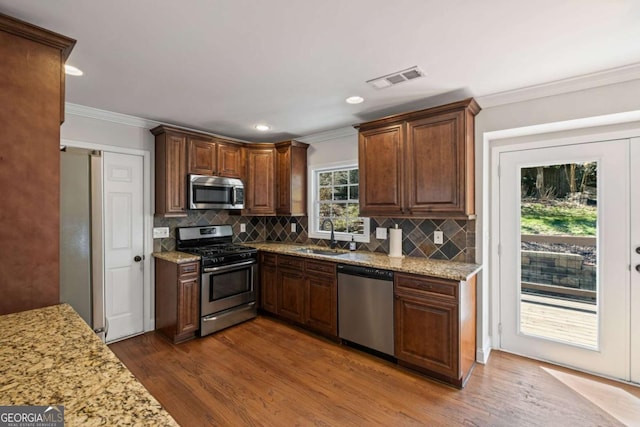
x=160 y=232
x=381 y=233
x=243 y=228
x=438 y=237
x=294 y=227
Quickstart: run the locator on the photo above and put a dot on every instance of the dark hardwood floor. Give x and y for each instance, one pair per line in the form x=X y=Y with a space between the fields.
x=264 y=372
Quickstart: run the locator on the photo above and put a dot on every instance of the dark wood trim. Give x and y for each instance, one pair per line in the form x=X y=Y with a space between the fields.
x=469 y=103
x=37 y=34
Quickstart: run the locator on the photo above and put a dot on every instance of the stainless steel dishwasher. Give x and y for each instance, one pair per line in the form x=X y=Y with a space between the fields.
x=365 y=307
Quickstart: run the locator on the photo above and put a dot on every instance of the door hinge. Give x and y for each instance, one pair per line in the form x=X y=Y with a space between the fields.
x=499 y=249
x=499 y=328
x=498 y=170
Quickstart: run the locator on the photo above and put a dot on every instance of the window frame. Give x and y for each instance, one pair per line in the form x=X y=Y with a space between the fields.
x=314 y=204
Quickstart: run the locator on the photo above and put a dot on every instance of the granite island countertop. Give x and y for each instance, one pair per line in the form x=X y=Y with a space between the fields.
x=50 y=356
x=436 y=268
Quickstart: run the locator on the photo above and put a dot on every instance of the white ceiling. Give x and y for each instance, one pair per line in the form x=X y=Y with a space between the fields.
x=225 y=65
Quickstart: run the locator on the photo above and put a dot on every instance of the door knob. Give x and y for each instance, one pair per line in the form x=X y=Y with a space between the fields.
x=137 y=258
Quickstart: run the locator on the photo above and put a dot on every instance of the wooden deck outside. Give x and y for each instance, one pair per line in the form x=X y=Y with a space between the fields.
x=560 y=320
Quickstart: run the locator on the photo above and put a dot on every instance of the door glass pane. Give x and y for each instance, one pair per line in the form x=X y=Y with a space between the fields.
x=558 y=253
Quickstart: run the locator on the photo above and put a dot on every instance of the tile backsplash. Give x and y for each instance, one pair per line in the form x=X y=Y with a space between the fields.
x=417 y=234
x=459 y=242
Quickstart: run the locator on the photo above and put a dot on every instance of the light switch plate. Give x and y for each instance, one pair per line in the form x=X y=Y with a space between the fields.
x=438 y=237
x=294 y=227
x=381 y=233
x=243 y=228
x=160 y=232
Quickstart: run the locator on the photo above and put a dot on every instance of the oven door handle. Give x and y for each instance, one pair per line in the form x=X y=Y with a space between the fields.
x=229 y=267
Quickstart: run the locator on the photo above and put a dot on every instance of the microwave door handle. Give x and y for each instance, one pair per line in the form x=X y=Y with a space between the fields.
x=233 y=196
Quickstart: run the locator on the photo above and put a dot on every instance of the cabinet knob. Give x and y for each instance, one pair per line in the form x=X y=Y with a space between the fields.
x=638 y=250
x=638 y=268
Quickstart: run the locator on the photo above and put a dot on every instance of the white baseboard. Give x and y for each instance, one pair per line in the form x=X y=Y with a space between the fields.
x=482 y=354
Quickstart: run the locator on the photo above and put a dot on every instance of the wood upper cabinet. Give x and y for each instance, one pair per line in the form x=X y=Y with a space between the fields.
x=419 y=164
x=32 y=91
x=171 y=172
x=380 y=160
x=177 y=296
x=291 y=178
x=260 y=183
x=435 y=325
x=202 y=155
x=230 y=159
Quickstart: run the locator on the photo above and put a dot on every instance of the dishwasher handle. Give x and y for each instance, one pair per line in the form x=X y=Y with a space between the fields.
x=370 y=272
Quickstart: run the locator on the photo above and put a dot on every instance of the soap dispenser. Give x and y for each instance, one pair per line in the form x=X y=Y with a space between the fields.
x=352 y=244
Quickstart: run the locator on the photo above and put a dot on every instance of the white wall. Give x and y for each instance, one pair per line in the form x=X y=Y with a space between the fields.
x=603 y=100
x=342 y=147
x=103 y=132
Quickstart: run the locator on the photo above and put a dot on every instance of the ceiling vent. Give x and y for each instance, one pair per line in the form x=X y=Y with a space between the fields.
x=397 y=78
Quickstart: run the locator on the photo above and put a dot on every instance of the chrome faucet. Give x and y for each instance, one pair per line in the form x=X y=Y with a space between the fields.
x=332 y=242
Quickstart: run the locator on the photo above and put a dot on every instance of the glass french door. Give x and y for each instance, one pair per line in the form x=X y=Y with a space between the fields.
x=566 y=240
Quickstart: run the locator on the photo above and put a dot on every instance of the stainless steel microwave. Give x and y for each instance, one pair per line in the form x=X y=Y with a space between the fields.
x=215 y=192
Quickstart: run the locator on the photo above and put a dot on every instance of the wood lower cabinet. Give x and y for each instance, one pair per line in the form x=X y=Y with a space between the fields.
x=435 y=326
x=305 y=291
x=419 y=164
x=269 y=282
x=321 y=311
x=260 y=183
x=177 y=311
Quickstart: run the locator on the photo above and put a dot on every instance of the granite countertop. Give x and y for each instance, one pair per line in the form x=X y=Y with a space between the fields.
x=50 y=356
x=176 y=257
x=423 y=266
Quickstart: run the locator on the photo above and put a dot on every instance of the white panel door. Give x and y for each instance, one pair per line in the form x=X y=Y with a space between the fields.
x=635 y=260
x=539 y=322
x=124 y=244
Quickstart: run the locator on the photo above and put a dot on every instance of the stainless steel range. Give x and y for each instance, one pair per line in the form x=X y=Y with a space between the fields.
x=228 y=281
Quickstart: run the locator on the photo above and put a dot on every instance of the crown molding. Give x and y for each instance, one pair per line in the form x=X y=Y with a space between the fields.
x=110 y=116
x=328 y=135
x=573 y=84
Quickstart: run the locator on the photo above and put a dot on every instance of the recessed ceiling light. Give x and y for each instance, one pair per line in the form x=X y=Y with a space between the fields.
x=72 y=71
x=354 y=100
x=263 y=128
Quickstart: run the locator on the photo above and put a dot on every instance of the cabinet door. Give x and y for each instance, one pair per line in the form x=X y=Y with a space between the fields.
x=426 y=334
x=188 y=298
x=173 y=200
x=202 y=156
x=380 y=156
x=283 y=180
x=435 y=166
x=260 y=194
x=230 y=159
x=291 y=291
x=321 y=303
x=269 y=288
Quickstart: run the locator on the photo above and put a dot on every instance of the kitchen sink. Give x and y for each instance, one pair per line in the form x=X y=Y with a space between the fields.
x=326 y=252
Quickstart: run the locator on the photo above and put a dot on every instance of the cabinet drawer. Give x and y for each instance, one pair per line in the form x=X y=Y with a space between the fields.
x=190 y=268
x=436 y=287
x=269 y=259
x=321 y=267
x=291 y=262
